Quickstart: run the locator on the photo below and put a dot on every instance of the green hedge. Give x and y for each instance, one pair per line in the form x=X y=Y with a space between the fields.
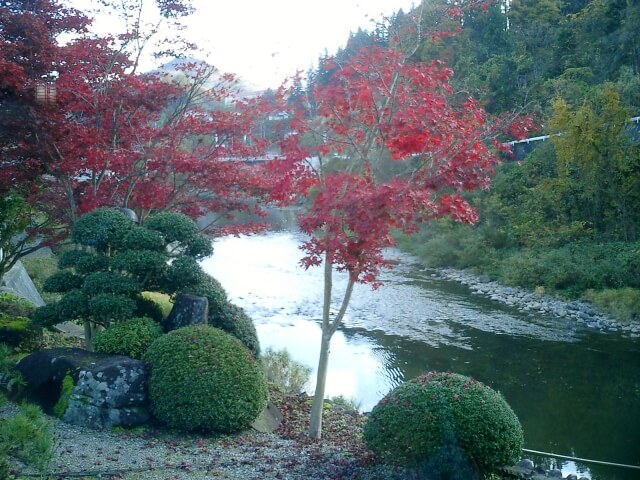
x=440 y=420
x=202 y=378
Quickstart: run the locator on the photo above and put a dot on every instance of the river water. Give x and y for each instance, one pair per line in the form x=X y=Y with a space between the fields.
x=576 y=392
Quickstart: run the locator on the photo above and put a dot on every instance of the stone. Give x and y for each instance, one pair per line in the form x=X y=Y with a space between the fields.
x=109 y=390
x=526 y=464
x=129 y=213
x=572 y=476
x=187 y=310
x=554 y=473
x=269 y=420
x=18 y=282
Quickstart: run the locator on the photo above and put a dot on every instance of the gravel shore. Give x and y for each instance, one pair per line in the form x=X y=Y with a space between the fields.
x=285 y=454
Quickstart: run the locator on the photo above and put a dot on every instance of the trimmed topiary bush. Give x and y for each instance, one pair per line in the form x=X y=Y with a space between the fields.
x=131 y=337
x=202 y=378
x=441 y=421
x=234 y=320
x=225 y=315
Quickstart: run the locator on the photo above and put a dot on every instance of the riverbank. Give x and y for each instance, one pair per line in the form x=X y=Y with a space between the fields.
x=153 y=453
x=539 y=303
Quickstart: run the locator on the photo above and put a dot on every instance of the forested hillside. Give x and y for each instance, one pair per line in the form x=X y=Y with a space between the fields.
x=566 y=219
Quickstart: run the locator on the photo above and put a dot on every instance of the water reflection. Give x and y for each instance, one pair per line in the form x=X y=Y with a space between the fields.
x=576 y=393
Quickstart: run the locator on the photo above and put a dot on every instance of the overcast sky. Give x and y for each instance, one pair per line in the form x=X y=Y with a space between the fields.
x=264 y=41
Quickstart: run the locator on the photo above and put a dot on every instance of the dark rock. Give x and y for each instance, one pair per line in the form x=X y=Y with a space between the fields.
x=129 y=213
x=554 y=473
x=109 y=390
x=540 y=469
x=187 y=310
x=572 y=476
x=525 y=463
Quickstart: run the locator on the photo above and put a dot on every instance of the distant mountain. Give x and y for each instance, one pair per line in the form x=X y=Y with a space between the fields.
x=245 y=89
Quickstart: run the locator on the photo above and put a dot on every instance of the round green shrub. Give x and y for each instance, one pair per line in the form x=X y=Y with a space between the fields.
x=202 y=378
x=131 y=337
x=213 y=290
x=234 y=320
x=110 y=282
x=183 y=273
x=89 y=264
x=199 y=246
x=443 y=419
x=145 y=265
x=139 y=238
x=62 y=282
x=108 y=307
x=175 y=227
x=102 y=229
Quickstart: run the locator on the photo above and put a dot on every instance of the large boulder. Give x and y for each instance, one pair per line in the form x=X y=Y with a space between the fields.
x=18 y=282
x=108 y=390
x=187 y=310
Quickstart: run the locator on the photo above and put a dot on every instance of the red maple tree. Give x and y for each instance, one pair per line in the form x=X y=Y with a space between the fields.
x=104 y=134
x=386 y=148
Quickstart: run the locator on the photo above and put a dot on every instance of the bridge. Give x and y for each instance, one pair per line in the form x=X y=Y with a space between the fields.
x=522 y=148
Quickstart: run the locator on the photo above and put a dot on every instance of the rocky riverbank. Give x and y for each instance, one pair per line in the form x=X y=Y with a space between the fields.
x=534 y=302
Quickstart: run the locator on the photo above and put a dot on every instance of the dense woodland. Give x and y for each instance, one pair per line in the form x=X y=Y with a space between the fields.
x=567 y=218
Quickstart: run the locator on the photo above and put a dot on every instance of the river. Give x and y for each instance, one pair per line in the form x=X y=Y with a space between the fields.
x=576 y=392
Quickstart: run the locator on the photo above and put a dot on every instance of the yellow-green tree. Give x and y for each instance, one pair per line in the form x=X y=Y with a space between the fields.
x=598 y=164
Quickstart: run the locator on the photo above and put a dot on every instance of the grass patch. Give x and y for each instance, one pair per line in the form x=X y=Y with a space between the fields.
x=39 y=269
x=622 y=303
x=161 y=299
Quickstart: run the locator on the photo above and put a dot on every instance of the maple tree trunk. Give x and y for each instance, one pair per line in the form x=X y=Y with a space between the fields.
x=328 y=329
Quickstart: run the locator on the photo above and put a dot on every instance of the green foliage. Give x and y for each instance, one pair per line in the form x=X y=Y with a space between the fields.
x=13 y=305
x=65 y=394
x=88 y=264
x=102 y=229
x=147 y=306
x=16 y=328
x=131 y=338
x=107 y=307
x=9 y=376
x=224 y=315
x=139 y=238
x=62 y=281
x=576 y=268
x=105 y=285
x=622 y=303
x=279 y=368
x=175 y=227
x=28 y=436
x=110 y=282
x=70 y=258
x=345 y=403
x=210 y=288
x=146 y=266
x=226 y=387
x=440 y=419
x=183 y=273
x=199 y=247
x=48 y=315
x=234 y=320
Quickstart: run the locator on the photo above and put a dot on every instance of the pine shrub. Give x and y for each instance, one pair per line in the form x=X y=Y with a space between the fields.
x=204 y=379
x=131 y=337
x=443 y=420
